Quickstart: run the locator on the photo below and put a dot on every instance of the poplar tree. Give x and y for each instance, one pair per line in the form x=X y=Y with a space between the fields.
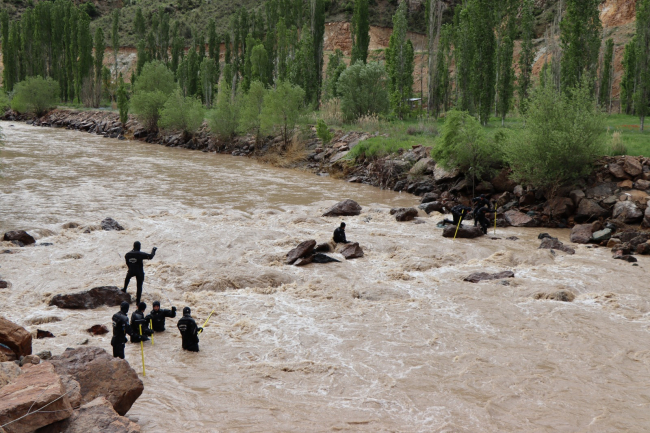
x=642 y=91
x=399 y=63
x=7 y=55
x=317 y=33
x=505 y=84
x=360 y=31
x=115 y=37
x=85 y=63
x=335 y=67
x=605 y=92
x=464 y=53
x=629 y=77
x=527 y=55
x=209 y=78
x=177 y=48
x=484 y=58
x=163 y=35
x=100 y=47
x=580 y=40
x=434 y=25
x=213 y=43
x=282 y=43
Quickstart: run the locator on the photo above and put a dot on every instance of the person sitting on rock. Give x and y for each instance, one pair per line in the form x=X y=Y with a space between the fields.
x=134 y=260
x=189 y=331
x=137 y=321
x=339 y=235
x=482 y=216
x=479 y=202
x=158 y=315
x=121 y=329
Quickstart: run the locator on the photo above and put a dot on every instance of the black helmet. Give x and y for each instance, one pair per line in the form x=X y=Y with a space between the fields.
x=156 y=303
x=124 y=307
x=186 y=311
x=136 y=245
x=142 y=306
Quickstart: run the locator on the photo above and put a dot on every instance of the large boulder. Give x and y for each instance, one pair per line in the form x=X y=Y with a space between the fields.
x=555 y=244
x=430 y=197
x=627 y=212
x=404 y=213
x=440 y=173
x=351 y=251
x=110 y=296
x=97 y=416
x=640 y=198
x=484 y=276
x=100 y=375
x=15 y=337
x=559 y=207
x=344 y=208
x=519 y=219
x=466 y=232
x=8 y=371
x=502 y=182
x=617 y=171
x=109 y=224
x=590 y=209
x=581 y=234
x=19 y=236
x=39 y=387
x=576 y=196
x=602 y=235
x=303 y=249
x=434 y=206
x=632 y=166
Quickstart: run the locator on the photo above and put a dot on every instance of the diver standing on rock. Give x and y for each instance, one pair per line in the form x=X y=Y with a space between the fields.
x=339 y=235
x=479 y=202
x=481 y=216
x=121 y=329
x=189 y=331
x=158 y=315
x=134 y=260
x=140 y=325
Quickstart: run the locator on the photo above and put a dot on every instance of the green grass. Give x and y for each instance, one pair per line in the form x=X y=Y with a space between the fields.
x=637 y=143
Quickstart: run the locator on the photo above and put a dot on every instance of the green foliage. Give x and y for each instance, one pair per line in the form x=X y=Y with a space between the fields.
x=182 y=113
x=35 y=95
x=506 y=74
x=580 y=40
x=564 y=134
x=251 y=109
x=151 y=90
x=5 y=103
x=465 y=146
x=642 y=93
x=527 y=55
x=323 y=132
x=378 y=147
x=360 y=31
x=605 y=92
x=399 y=64
x=115 y=37
x=629 y=77
x=224 y=119
x=100 y=47
x=281 y=109
x=363 y=90
x=335 y=68
x=303 y=72
x=123 y=101
x=484 y=57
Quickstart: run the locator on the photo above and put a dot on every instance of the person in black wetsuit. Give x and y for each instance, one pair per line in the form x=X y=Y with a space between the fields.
x=189 y=331
x=482 y=217
x=134 y=260
x=158 y=315
x=137 y=320
x=458 y=212
x=479 y=202
x=339 y=235
x=121 y=329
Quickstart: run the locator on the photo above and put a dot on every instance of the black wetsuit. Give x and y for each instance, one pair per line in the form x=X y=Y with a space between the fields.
x=158 y=318
x=482 y=217
x=137 y=319
x=479 y=202
x=189 y=332
x=121 y=329
x=339 y=236
x=136 y=269
x=459 y=212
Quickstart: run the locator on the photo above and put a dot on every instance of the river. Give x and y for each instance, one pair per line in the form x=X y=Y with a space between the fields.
x=395 y=341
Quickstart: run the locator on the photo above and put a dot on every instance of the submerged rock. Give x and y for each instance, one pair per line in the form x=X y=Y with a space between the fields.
x=323 y=258
x=625 y=257
x=519 y=219
x=98 y=330
x=484 y=276
x=109 y=224
x=40 y=334
x=110 y=296
x=344 y=208
x=560 y=295
x=404 y=213
x=581 y=234
x=434 y=206
x=19 y=237
x=555 y=244
x=303 y=249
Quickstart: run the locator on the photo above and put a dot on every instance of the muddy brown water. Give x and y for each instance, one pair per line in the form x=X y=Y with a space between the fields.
x=395 y=341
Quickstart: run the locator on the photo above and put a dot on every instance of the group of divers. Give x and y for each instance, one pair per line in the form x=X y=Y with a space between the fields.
x=141 y=327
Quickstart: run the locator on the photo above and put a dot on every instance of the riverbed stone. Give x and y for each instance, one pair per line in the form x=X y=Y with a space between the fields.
x=484 y=276
x=559 y=207
x=581 y=234
x=8 y=371
x=465 y=232
x=110 y=296
x=576 y=196
x=20 y=236
x=617 y=171
x=351 y=251
x=519 y=219
x=590 y=209
x=560 y=295
x=97 y=416
x=110 y=224
x=602 y=235
x=434 y=206
x=15 y=337
x=430 y=197
x=98 y=329
x=627 y=212
x=303 y=249
x=632 y=166
x=344 y=208
x=404 y=213
x=555 y=244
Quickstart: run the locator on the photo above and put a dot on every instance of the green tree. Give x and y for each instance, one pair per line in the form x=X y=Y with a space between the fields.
x=399 y=63
x=506 y=74
x=209 y=79
x=360 y=31
x=484 y=58
x=464 y=53
x=259 y=59
x=323 y=132
x=84 y=65
x=317 y=35
x=251 y=109
x=335 y=67
x=100 y=47
x=642 y=91
x=564 y=135
x=580 y=41
x=139 y=24
x=363 y=90
x=628 y=82
x=151 y=90
x=465 y=146
x=527 y=55
x=213 y=41
x=281 y=109
x=35 y=95
x=303 y=72
x=115 y=38
x=122 y=101
x=224 y=119
x=182 y=113
x=5 y=103
x=606 y=75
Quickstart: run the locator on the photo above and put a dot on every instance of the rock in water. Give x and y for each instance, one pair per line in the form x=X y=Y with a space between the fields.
x=303 y=261
x=555 y=244
x=560 y=295
x=519 y=219
x=466 y=232
x=15 y=338
x=602 y=235
x=351 y=251
x=97 y=416
x=625 y=257
x=38 y=386
x=43 y=334
x=323 y=258
x=325 y=247
x=344 y=208
x=590 y=209
x=109 y=224
x=101 y=375
x=434 y=206
x=302 y=250
x=20 y=236
x=93 y=298
x=581 y=234
x=98 y=330
x=484 y=276
x=404 y=213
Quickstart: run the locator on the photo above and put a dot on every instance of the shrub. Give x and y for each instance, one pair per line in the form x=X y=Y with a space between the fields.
x=323 y=132
x=35 y=95
x=182 y=113
x=152 y=88
x=564 y=134
x=616 y=145
x=224 y=119
x=281 y=109
x=252 y=109
x=363 y=90
x=5 y=104
x=123 y=101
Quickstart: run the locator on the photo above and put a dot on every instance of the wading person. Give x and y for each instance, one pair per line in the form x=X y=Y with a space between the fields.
x=458 y=212
x=339 y=235
x=134 y=260
x=189 y=331
x=121 y=329
x=482 y=217
x=479 y=202
x=158 y=315
x=137 y=320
